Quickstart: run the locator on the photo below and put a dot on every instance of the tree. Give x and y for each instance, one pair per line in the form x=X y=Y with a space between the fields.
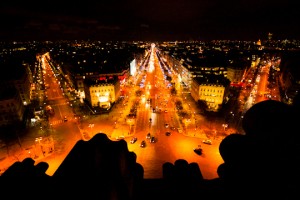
x=173 y=91
x=138 y=93
x=202 y=105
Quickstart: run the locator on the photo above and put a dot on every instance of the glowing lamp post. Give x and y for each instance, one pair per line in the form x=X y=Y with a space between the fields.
x=225 y=126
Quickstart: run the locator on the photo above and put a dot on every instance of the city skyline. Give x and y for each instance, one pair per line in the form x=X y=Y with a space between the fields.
x=150 y=21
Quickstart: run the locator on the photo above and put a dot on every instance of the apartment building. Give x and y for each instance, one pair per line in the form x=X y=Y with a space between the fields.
x=212 y=90
x=102 y=93
x=11 y=107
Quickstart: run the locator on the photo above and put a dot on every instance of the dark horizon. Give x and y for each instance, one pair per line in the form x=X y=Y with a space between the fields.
x=150 y=21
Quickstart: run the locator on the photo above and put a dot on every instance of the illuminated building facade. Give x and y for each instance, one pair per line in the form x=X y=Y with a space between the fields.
x=11 y=107
x=235 y=75
x=102 y=93
x=16 y=74
x=213 y=92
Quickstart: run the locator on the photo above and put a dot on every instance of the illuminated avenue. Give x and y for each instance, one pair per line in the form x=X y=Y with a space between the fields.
x=155 y=98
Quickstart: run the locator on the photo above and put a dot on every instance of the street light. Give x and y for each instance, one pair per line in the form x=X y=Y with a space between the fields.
x=225 y=126
x=51 y=128
x=91 y=125
x=38 y=140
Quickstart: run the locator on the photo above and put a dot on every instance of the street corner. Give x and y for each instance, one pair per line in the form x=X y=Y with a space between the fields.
x=3 y=163
x=85 y=135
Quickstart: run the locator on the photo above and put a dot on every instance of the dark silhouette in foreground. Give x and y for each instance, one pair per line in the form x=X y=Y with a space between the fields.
x=265 y=160
x=261 y=163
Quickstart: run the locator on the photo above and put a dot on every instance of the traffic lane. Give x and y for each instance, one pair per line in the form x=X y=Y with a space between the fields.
x=174 y=147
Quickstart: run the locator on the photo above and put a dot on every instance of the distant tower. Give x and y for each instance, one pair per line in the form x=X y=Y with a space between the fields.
x=258 y=42
x=270 y=36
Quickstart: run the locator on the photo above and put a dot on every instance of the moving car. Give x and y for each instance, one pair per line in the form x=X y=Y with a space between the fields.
x=143 y=144
x=133 y=140
x=148 y=136
x=207 y=141
x=121 y=137
x=198 y=150
x=152 y=140
x=168 y=133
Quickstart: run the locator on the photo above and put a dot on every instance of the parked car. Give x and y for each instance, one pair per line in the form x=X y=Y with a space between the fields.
x=143 y=144
x=207 y=141
x=133 y=140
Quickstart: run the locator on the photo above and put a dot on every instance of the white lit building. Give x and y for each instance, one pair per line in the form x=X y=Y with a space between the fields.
x=212 y=91
x=102 y=93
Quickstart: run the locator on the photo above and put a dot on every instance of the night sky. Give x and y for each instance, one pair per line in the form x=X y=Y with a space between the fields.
x=164 y=20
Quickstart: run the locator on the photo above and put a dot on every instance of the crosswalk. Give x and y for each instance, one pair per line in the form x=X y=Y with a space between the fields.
x=59 y=104
x=57 y=122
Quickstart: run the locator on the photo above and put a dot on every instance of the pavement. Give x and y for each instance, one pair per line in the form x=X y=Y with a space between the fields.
x=47 y=150
x=41 y=151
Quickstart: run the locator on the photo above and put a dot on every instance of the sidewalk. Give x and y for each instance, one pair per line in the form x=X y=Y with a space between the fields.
x=32 y=144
